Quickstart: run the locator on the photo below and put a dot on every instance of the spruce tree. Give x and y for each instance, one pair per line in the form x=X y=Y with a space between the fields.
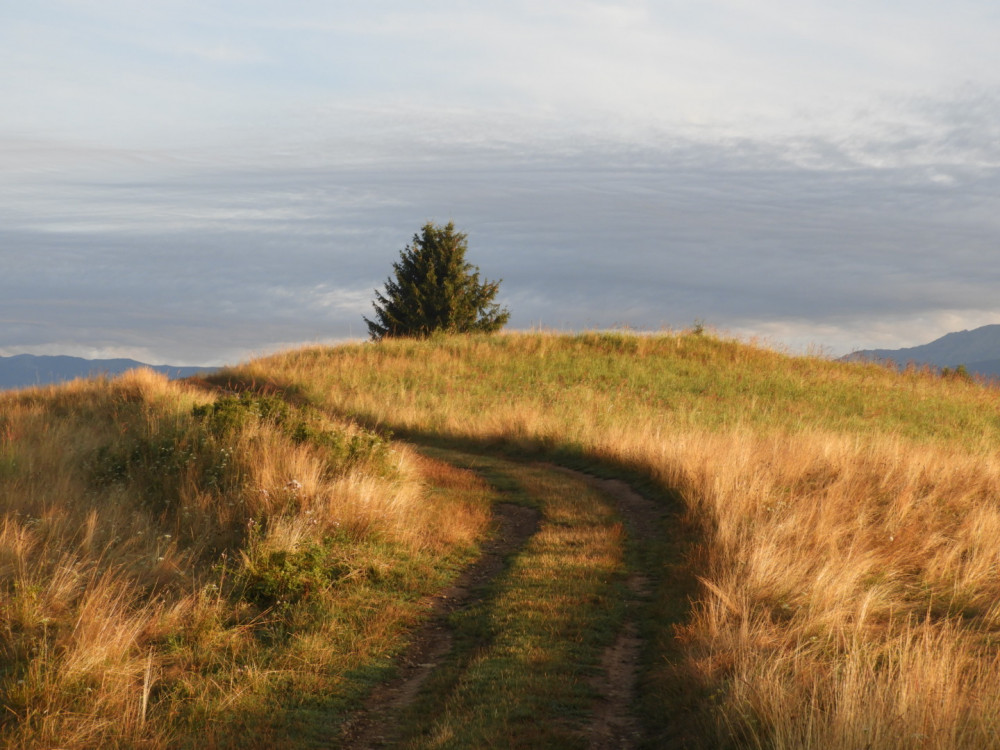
x=434 y=289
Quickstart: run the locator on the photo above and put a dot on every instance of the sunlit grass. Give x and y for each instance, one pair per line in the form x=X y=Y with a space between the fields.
x=186 y=568
x=564 y=387
x=182 y=565
x=847 y=513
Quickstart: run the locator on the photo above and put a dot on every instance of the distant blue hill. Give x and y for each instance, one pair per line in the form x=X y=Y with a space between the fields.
x=978 y=350
x=24 y=370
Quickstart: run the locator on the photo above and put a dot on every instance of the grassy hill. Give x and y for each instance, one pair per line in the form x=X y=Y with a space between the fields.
x=246 y=552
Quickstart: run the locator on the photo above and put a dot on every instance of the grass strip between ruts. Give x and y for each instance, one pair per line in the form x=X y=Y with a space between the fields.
x=528 y=652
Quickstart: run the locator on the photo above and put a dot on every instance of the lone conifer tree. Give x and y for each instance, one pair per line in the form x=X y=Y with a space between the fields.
x=434 y=289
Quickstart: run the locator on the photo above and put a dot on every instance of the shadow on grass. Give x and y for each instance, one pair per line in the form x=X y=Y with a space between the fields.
x=675 y=706
x=672 y=703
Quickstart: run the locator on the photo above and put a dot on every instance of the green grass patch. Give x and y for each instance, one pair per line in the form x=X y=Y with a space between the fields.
x=607 y=380
x=526 y=655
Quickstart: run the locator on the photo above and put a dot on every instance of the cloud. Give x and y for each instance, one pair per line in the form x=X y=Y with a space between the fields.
x=189 y=71
x=204 y=180
x=200 y=260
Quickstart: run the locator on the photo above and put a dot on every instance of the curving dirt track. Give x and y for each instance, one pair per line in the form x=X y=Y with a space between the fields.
x=614 y=724
x=368 y=729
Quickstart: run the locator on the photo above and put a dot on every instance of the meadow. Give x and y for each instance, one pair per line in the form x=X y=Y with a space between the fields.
x=186 y=564
x=845 y=516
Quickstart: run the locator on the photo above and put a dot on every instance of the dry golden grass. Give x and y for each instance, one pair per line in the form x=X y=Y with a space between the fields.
x=849 y=514
x=164 y=581
x=164 y=576
x=850 y=592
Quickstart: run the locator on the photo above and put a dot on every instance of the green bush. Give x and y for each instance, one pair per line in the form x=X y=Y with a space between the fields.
x=282 y=578
x=231 y=414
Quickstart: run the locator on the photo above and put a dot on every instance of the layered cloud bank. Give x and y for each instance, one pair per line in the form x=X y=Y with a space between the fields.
x=211 y=181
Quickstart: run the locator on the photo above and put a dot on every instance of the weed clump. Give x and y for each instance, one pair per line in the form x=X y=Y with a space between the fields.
x=231 y=414
x=282 y=578
x=303 y=425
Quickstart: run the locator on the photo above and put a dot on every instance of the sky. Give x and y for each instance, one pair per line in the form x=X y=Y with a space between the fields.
x=202 y=182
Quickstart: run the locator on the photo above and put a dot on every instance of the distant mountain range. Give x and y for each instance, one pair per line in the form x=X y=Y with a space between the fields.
x=25 y=370
x=978 y=350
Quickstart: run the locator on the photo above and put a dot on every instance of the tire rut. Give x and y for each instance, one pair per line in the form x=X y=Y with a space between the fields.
x=615 y=725
x=372 y=726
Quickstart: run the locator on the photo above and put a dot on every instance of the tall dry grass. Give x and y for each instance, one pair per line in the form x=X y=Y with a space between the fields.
x=850 y=595
x=848 y=514
x=168 y=577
